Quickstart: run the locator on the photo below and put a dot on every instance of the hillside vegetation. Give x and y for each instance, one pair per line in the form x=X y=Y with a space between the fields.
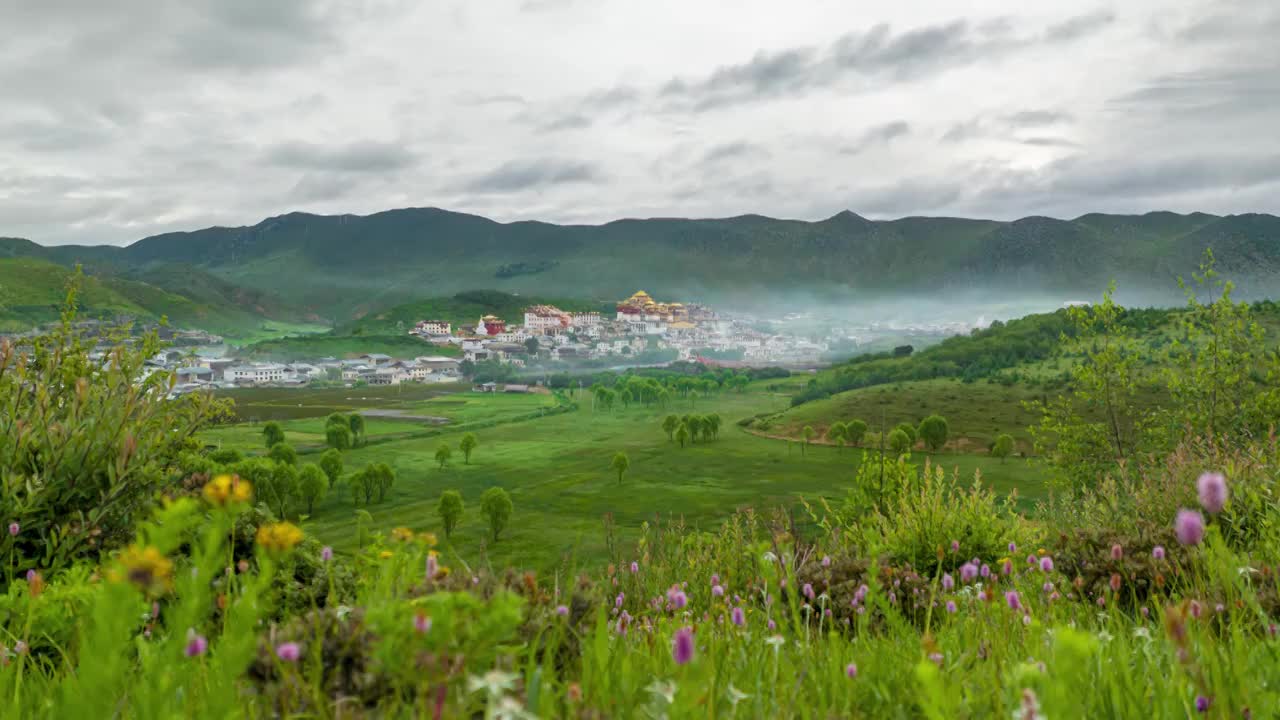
x=346 y=266
x=461 y=308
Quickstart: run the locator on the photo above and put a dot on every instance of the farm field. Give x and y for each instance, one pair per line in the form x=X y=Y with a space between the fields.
x=557 y=471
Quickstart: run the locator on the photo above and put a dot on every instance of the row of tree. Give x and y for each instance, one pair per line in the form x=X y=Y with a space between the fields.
x=495 y=506
x=690 y=428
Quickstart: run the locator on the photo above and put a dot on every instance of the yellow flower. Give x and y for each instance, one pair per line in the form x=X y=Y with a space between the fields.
x=145 y=567
x=279 y=538
x=225 y=489
x=428 y=538
x=385 y=554
x=402 y=534
x=1040 y=552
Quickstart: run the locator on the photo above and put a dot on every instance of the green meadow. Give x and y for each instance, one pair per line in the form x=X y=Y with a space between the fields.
x=557 y=467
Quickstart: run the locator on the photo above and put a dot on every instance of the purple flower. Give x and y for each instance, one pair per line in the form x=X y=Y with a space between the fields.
x=14 y=529
x=682 y=646
x=289 y=652
x=433 y=566
x=1046 y=564
x=562 y=610
x=326 y=553
x=1117 y=552
x=715 y=578
x=717 y=591
x=196 y=644
x=1157 y=552
x=1007 y=568
x=1013 y=548
x=1219 y=608
x=808 y=591
x=421 y=624
x=947 y=582
x=1213 y=491
x=955 y=546
x=861 y=593
x=968 y=572
x=984 y=571
x=1031 y=559
x=851 y=671
x=1145 y=612
x=1189 y=527
x=951 y=606
x=635 y=567
x=617 y=602
x=1047 y=588
x=31 y=576
x=1202 y=704
x=1011 y=597
x=739 y=617
x=772 y=625
x=826 y=561
x=1196 y=609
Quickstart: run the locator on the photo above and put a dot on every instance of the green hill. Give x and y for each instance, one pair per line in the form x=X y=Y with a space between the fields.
x=464 y=307
x=344 y=267
x=32 y=291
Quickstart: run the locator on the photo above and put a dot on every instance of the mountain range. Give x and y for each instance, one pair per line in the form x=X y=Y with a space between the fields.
x=342 y=267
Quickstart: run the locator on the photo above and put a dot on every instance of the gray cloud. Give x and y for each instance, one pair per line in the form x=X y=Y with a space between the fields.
x=732 y=150
x=519 y=175
x=353 y=157
x=1079 y=26
x=572 y=121
x=878 y=136
x=1036 y=118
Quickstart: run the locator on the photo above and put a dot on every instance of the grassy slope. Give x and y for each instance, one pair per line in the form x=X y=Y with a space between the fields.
x=557 y=470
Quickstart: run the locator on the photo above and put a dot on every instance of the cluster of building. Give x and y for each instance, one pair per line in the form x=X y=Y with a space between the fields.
x=374 y=369
x=639 y=323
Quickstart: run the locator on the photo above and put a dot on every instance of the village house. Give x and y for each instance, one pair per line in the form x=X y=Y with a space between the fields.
x=432 y=327
x=259 y=374
x=546 y=320
x=376 y=359
x=490 y=325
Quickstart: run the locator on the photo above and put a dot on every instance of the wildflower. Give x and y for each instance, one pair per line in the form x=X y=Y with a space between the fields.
x=1011 y=597
x=947 y=582
x=984 y=571
x=1031 y=559
x=421 y=623
x=1189 y=527
x=1007 y=567
x=1030 y=706
x=562 y=610
x=429 y=539
x=575 y=692
x=1196 y=609
x=715 y=579
x=326 y=554
x=968 y=572
x=386 y=554
x=1213 y=491
x=289 y=652
x=1048 y=588
x=772 y=625
x=676 y=599
x=14 y=529
x=635 y=567
x=1157 y=552
x=936 y=658
x=739 y=617
x=717 y=591
x=196 y=644
x=402 y=534
x=861 y=593
x=1102 y=601
x=279 y=538
x=20 y=648
x=1115 y=582
x=1012 y=548
x=826 y=561
x=808 y=591
x=1046 y=564
x=1145 y=612
x=617 y=602
x=1202 y=704
x=146 y=567
x=433 y=565
x=1219 y=608
x=494 y=683
x=227 y=489
x=951 y=606
x=851 y=670
x=682 y=646
x=1026 y=619
x=35 y=583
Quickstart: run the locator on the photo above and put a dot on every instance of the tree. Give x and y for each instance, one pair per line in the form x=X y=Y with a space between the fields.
x=696 y=424
x=312 y=485
x=855 y=431
x=495 y=505
x=331 y=464
x=621 y=463
x=443 y=453
x=807 y=433
x=669 y=425
x=899 y=442
x=283 y=453
x=356 y=423
x=272 y=434
x=450 y=508
x=338 y=436
x=381 y=477
x=362 y=486
x=682 y=434
x=467 y=446
x=933 y=430
x=337 y=419
x=837 y=433
x=278 y=487
x=713 y=425
x=226 y=456
x=910 y=431
x=531 y=346
x=1003 y=446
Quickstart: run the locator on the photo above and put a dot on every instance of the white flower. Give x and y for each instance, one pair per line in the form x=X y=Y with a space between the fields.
x=1104 y=636
x=510 y=709
x=343 y=611
x=776 y=641
x=665 y=690
x=495 y=682
x=769 y=557
x=736 y=696
x=1142 y=632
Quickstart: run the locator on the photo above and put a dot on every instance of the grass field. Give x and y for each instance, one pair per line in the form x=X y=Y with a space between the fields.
x=557 y=469
x=311 y=347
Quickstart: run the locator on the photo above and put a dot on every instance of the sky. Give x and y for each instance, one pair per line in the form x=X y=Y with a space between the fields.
x=121 y=119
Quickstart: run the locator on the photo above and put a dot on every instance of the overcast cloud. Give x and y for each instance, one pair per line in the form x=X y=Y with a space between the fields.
x=124 y=118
